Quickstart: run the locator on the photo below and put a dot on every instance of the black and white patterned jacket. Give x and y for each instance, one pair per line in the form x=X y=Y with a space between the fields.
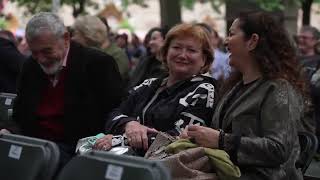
x=167 y=109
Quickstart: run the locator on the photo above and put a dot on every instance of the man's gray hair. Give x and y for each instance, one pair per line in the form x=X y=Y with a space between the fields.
x=315 y=32
x=45 y=21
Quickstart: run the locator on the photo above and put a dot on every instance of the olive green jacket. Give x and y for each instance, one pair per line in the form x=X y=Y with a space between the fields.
x=261 y=128
x=121 y=58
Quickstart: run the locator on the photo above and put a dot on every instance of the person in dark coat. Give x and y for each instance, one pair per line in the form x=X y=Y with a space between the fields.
x=258 y=120
x=65 y=89
x=10 y=63
x=308 y=40
x=150 y=66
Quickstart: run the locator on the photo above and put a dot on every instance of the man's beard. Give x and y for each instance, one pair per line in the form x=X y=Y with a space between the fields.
x=54 y=69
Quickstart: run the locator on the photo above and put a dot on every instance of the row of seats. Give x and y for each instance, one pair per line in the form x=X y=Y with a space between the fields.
x=26 y=158
x=309 y=146
x=6 y=105
x=36 y=159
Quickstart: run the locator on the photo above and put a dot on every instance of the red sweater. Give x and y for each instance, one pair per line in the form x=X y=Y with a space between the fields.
x=50 y=111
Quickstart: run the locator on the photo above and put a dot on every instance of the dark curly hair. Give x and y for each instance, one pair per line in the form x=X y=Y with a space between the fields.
x=274 y=52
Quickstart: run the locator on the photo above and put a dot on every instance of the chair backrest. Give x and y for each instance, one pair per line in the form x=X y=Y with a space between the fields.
x=26 y=158
x=98 y=165
x=308 y=148
x=6 y=105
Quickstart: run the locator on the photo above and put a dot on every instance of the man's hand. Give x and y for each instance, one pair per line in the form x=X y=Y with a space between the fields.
x=184 y=133
x=104 y=143
x=137 y=134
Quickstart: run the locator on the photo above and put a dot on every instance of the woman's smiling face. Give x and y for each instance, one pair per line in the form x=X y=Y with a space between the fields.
x=185 y=56
x=236 y=44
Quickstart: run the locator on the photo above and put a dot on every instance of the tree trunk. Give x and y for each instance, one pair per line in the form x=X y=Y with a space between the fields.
x=290 y=17
x=170 y=12
x=234 y=7
x=77 y=10
x=306 y=10
x=55 y=6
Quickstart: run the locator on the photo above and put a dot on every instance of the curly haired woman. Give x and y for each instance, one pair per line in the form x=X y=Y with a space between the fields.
x=257 y=121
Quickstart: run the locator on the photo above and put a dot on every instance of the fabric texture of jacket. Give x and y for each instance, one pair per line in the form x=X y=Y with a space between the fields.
x=120 y=57
x=93 y=87
x=315 y=89
x=166 y=109
x=261 y=128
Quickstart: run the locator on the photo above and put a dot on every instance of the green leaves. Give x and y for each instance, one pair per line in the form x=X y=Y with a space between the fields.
x=215 y=4
x=270 y=5
x=273 y=5
x=187 y=4
x=3 y=23
x=126 y=3
x=126 y=25
x=35 y=6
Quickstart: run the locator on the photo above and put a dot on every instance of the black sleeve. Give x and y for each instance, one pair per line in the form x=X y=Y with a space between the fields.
x=106 y=81
x=125 y=113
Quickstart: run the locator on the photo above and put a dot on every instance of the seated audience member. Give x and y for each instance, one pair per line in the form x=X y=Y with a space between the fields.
x=122 y=42
x=186 y=96
x=136 y=48
x=91 y=31
x=257 y=121
x=308 y=39
x=10 y=63
x=150 y=66
x=220 y=68
x=65 y=89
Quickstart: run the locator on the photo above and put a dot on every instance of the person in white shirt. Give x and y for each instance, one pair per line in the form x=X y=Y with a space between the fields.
x=220 y=68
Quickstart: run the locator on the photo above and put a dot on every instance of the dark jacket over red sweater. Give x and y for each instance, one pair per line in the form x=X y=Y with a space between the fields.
x=93 y=87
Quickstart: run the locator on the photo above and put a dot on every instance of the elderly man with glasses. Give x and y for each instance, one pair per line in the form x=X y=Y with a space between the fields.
x=308 y=40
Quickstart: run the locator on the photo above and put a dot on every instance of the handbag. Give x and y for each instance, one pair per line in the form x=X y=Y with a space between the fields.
x=191 y=164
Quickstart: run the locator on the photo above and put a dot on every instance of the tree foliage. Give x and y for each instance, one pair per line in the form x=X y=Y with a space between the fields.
x=3 y=23
x=126 y=3
x=34 y=6
x=215 y=4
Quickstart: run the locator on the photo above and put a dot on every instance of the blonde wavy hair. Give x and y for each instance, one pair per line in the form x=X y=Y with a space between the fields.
x=92 y=30
x=189 y=30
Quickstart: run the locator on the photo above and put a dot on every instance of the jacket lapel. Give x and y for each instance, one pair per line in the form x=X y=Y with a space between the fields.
x=227 y=119
x=75 y=71
x=217 y=115
x=38 y=83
